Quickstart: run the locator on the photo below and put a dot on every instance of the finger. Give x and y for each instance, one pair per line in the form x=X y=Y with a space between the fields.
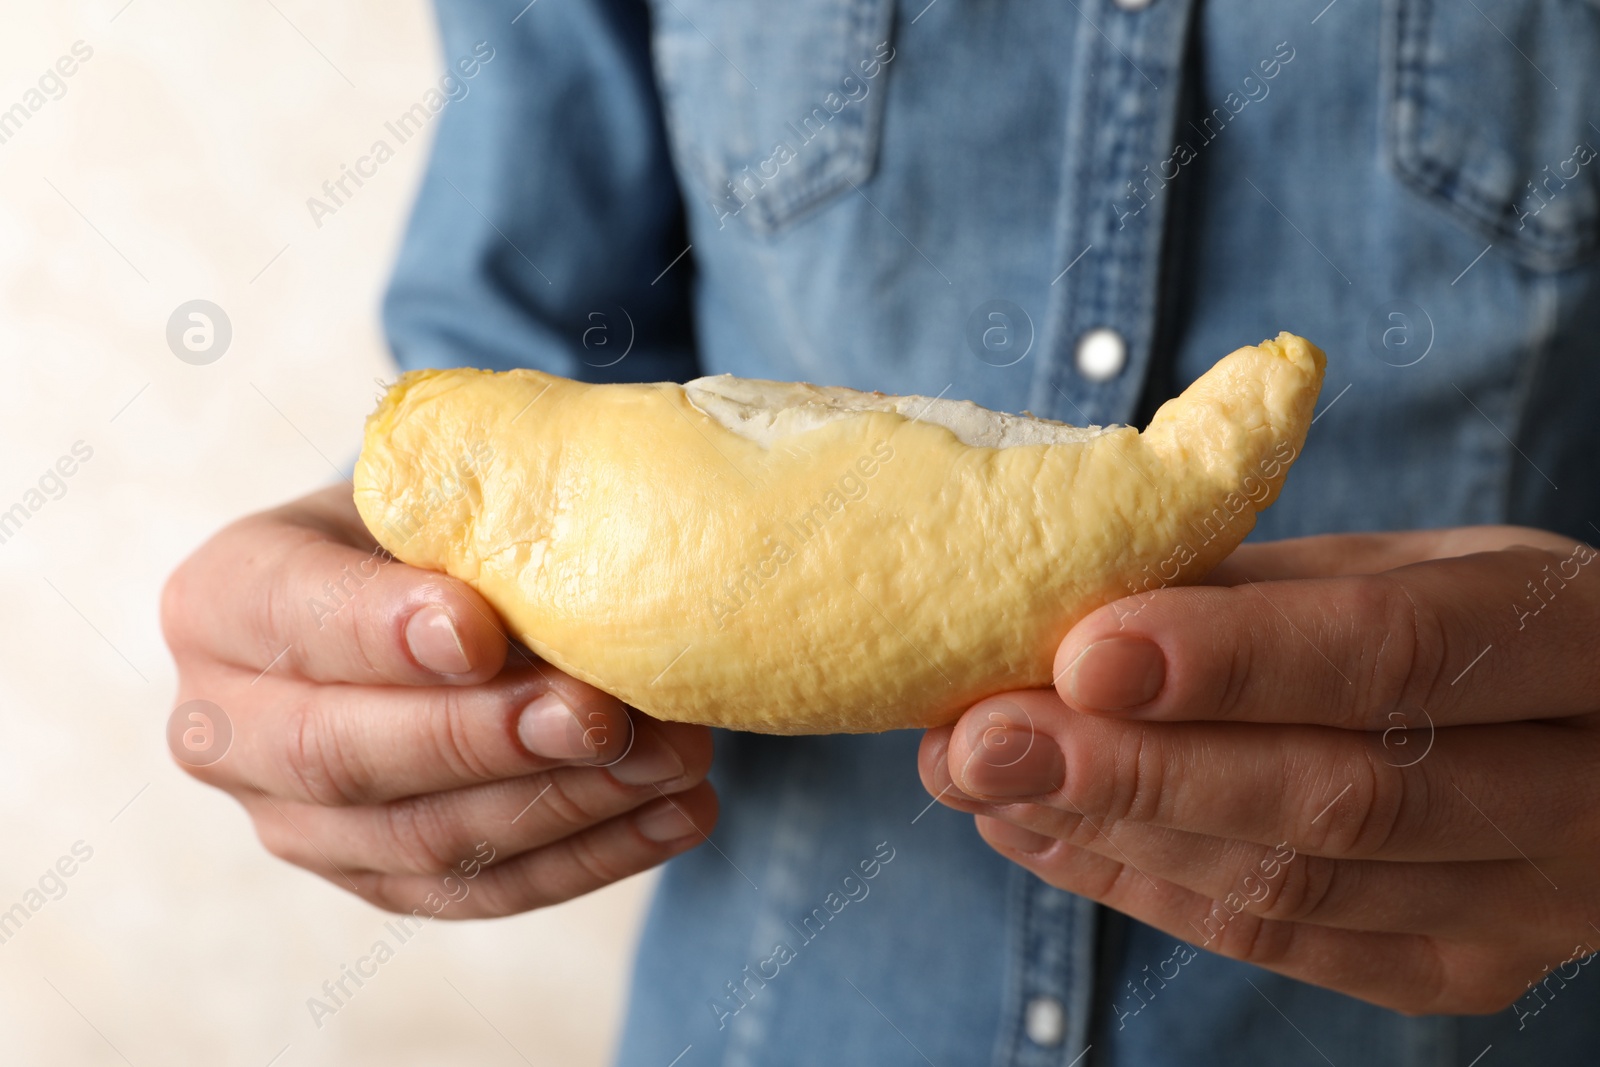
x=331 y=510
x=267 y=595
x=1278 y=883
x=1326 y=792
x=351 y=745
x=1405 y=972
x=437 y=832
x=1340 y=555
x=1466 y=639
x=571 y=867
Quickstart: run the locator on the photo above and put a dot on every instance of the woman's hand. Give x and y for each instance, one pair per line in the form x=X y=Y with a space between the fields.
x=382 y=737
x=1366 y=762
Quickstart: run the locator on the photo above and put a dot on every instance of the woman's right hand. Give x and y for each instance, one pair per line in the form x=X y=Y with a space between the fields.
x=386 y=736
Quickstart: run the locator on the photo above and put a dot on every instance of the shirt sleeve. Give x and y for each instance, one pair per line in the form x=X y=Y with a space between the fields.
x=549 y=211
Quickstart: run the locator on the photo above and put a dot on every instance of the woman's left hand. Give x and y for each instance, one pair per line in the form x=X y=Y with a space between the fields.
x=1368 y=762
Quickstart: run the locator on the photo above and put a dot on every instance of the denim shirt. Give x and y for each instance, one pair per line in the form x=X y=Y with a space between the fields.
x=1067 y=208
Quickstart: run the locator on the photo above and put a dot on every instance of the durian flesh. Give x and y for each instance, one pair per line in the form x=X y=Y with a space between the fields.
x=789 y=559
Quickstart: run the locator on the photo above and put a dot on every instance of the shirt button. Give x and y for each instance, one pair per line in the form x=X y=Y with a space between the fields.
x=1045 y=1022
x=1101 y=354
x=1132 y=5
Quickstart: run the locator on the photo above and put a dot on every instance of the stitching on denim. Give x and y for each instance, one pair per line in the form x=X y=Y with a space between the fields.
x=1541 y=245
x=846 y=150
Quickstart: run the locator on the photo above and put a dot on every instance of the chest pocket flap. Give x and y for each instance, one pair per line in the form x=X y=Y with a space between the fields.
x=1492 y=107
x=773 y=108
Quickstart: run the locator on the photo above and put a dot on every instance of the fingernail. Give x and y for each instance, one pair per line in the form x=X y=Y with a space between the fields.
x=548 y=728
x=941 y=785
x=1117 y=674
x=431 y=636
x=664 y=821
x=1008 y=762
x=651 y=762
x=1014 y=838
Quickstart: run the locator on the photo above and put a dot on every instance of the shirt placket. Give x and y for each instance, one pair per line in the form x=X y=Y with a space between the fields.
x=1127 y=75
x=1116 y=195
x=1045 y=1007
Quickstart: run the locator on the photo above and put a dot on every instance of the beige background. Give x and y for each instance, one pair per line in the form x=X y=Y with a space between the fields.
x=177 y=166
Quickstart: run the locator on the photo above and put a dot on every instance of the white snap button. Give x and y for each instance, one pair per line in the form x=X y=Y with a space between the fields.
x=1101 y=354
x=1045 y=1021
x=1132 y=5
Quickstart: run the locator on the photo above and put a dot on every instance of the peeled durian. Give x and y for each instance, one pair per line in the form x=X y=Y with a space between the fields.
x=794 y=559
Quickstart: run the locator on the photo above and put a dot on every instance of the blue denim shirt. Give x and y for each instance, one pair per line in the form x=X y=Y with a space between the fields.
x=947 y=197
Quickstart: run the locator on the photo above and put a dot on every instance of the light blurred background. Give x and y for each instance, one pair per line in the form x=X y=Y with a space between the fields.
x=174 y=164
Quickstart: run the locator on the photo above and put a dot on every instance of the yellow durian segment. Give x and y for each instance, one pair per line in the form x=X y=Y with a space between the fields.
x=835 y=562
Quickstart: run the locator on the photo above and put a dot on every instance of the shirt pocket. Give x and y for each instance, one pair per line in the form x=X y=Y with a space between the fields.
x=1490 y=111
x=773 y=108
